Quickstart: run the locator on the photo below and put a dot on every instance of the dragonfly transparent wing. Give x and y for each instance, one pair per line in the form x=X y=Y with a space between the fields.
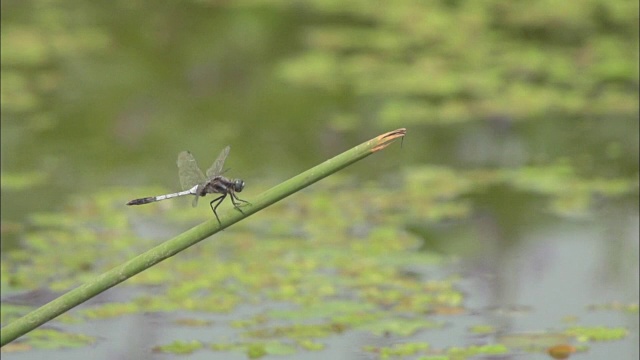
x=189 y=172
x=216 y=168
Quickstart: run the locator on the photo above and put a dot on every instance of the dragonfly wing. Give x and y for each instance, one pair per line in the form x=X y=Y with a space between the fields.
x=195 y=201
x=216 y=168
x=188 y=171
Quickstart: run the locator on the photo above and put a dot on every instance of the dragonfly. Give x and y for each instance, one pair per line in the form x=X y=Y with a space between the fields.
x=194 y=182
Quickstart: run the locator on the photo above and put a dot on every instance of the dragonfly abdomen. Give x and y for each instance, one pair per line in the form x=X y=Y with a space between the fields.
x=142 y=201
x=151 y=199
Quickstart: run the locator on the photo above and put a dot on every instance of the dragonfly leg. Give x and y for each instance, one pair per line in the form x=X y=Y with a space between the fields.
x=236 y=205
x=219 y=200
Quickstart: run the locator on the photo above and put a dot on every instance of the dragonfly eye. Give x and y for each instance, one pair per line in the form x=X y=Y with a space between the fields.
x=238 y=185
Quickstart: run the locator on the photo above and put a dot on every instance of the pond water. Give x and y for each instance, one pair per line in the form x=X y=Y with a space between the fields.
x=504 y=224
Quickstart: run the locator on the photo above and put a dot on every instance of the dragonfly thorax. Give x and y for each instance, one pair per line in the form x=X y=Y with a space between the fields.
x=221 y=185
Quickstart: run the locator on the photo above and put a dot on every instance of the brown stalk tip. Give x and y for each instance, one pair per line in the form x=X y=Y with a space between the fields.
x=387 y=138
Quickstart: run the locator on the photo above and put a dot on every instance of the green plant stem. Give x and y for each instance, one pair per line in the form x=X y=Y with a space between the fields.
x=173 y=246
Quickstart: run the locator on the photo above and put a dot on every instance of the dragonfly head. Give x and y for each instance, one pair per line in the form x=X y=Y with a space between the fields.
x=238 y=185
